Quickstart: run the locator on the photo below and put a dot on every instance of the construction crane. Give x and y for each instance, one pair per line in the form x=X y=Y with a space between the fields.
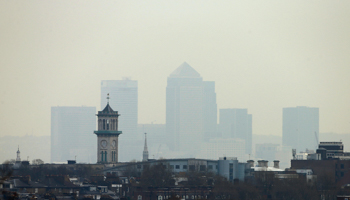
x=316 y=139
x=158 y=151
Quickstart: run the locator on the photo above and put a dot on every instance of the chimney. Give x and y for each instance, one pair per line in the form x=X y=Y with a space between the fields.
x=250 y=163
x=276 y=164
x=263 y=163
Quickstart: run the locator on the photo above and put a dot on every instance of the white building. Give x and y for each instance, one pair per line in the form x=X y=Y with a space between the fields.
x=301 y=128
x=124 y=99
x=190 y=110
x=237 y=123
x=72 y=134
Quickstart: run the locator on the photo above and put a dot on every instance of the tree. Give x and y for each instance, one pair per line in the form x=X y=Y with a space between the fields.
x=37 y=162
x=157 y=176
x=5 y=173
x=12 y=161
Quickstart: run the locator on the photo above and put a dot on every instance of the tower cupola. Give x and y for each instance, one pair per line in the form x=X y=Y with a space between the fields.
x=107 y=135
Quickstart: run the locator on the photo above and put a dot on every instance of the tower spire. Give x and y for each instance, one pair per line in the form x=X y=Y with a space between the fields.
x=145 y=150
x=18 y=159
x=108 y=98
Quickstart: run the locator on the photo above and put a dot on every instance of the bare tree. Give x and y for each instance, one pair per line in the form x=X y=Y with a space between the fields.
x=37 y=162
x=157 y=176
x=12 y=161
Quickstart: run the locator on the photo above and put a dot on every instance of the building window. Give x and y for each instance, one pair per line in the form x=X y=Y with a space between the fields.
x=216 y=167
x=105 y=156
x=342 y=166
x=138 y=166
x=192 y=167
x=210 y=167
x=160 y=197
x=177 y=166
x=202 y=168
x=184 y=167
x=171 y=166
x=341 y=174
x=139 y=197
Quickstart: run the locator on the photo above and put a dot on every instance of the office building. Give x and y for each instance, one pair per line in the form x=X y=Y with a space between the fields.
x=236 y=123
x=124 y=98
x=188 y=98
x=210 y=120
x=228 y=167
x=71 y=134
x=301 y=128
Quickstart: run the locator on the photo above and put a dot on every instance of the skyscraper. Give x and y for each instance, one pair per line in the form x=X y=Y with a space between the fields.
x=301 y=127
x=124 y=98
x=187 y=100
x=210 y=120
x=71 y=137
x=237 y=123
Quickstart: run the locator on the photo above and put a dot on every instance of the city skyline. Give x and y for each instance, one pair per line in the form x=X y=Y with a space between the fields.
x=262 y=56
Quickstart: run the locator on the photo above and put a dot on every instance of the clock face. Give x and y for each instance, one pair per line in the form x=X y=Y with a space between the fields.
x=114 y=143
x=104 y=143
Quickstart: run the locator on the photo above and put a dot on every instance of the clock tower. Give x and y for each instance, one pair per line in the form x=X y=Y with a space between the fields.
x=107 y=135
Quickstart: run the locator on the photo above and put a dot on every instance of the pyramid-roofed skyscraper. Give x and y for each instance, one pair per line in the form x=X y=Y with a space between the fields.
x=187 y=97
x=185 y=71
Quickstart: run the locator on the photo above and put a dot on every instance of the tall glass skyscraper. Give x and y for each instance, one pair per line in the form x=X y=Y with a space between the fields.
x=191 y=114
x=72 y=134
x=237 y=123
x=124 y=99
x=301 y=128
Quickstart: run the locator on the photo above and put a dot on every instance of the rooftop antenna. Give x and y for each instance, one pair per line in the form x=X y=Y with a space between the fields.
x=108 y=98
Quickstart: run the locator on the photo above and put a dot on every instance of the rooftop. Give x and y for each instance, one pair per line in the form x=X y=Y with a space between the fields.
x=185 y=71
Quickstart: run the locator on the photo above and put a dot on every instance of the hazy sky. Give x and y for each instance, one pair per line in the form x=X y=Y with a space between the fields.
x=262 y=55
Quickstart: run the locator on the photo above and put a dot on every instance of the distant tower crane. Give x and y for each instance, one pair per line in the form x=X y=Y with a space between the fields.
x=316 y=139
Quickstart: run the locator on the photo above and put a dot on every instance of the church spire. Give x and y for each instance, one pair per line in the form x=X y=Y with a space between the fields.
x=145 y=150
x=18 y=155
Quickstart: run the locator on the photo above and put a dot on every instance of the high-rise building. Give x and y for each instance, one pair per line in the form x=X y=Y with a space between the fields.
x=301 y=128
x=71 y=137
x=190 y=110
x=210 y=120
x=237 y=123
x=124 y=98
